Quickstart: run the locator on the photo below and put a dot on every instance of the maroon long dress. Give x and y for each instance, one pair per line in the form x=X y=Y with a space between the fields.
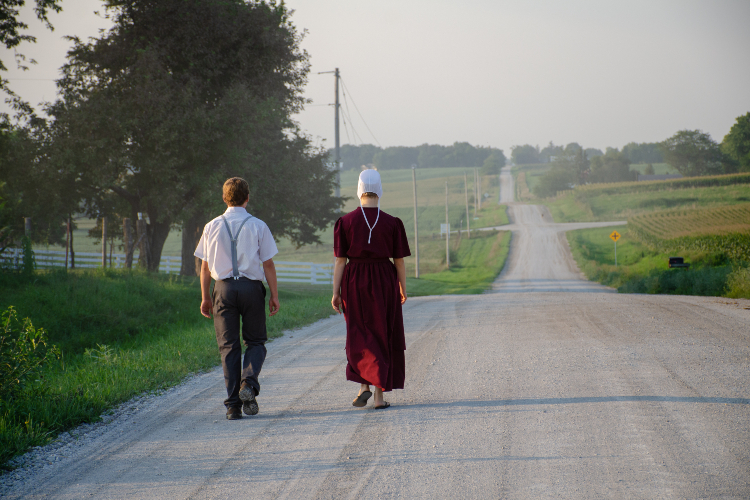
x=375 y=341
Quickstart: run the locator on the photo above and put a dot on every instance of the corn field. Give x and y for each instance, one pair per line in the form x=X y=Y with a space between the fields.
x=711 y=229
x=649 y=186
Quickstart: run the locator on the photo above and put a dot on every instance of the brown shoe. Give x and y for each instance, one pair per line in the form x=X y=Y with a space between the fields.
x=234 y=413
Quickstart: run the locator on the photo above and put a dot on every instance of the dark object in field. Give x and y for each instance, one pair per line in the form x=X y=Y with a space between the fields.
x=677 y=262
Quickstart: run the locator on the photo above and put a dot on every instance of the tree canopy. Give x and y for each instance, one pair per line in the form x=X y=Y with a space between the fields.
x=645 y=152
x=736 y=144
x=694 y=153
x=178 y=96
x=525 y=154
x=613 y=166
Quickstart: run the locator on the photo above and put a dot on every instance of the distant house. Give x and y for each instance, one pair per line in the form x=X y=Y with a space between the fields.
x=662 y=177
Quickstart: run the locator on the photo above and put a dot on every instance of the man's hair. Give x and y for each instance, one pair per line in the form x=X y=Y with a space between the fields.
x=236 y=191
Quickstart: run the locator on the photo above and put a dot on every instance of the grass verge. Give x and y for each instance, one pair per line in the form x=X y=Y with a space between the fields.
x=643 y=269
x=121 y=334
x=475 y=264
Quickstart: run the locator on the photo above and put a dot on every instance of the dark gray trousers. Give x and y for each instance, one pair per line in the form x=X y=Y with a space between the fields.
x=235 y=300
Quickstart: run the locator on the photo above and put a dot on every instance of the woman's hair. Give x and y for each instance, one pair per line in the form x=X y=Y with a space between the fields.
x=369 y=195
x=236 y=191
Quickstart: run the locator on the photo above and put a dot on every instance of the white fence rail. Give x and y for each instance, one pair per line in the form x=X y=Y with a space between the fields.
x=293 y=272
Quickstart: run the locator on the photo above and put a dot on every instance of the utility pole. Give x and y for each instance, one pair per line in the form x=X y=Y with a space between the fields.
x=475 y=192
x=337 y=142
x=466 y=195
x=416 y=230
x=479 y=189
x=447 y=231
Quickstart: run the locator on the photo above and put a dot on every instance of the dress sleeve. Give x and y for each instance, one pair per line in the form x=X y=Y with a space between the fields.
x=400 y=242
x=340 y=244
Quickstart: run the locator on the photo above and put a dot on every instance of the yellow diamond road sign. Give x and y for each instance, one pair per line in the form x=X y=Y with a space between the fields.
x=615 y=236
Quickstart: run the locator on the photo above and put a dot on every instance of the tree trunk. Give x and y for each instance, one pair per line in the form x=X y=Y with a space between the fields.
x=192 y=229
x=157 y=235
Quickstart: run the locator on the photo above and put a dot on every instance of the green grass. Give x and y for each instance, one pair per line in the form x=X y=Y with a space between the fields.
x=474 y=266
x=121 y=334
x=644 y=269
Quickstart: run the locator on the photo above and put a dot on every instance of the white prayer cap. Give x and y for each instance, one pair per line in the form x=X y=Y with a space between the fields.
x=369 y=182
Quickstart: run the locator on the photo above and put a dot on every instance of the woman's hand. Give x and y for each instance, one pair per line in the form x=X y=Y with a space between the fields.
x=401 y=274
x=337 y=303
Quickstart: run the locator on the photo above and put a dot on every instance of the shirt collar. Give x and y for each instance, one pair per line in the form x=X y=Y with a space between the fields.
x=235 y=210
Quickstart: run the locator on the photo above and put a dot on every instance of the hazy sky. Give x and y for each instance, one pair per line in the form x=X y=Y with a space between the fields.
x=498 y=73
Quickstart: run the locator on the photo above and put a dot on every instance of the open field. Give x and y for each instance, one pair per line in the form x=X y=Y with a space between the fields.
x=596 y=202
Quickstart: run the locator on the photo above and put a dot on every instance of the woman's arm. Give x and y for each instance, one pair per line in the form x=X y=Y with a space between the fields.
x=401 y=273
x=338 y=275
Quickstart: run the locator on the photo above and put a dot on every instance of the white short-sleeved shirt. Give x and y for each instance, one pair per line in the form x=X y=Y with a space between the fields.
x=255 y=245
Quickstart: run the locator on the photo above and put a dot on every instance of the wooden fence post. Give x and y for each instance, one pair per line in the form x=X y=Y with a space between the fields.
x=104 y=242
x=127 y=231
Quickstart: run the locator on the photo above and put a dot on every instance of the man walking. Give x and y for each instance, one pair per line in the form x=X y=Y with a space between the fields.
x=237 y=249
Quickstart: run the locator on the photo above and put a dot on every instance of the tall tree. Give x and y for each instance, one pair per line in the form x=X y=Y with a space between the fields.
x=736 y=144
x=521 y=155
x=614 y=166
x=694 y=153
x=181 y=94
x=494 y=163
x=31 y=187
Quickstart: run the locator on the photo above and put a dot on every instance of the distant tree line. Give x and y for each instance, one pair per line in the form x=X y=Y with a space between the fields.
x=153 y=116
x=647 y=152
x=460 y=154
x=691 y=152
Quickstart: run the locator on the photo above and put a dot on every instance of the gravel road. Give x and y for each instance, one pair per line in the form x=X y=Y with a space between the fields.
x=548 y=387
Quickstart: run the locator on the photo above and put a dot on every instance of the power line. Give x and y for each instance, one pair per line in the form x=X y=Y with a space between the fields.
x=346 y=113
x=346 y=90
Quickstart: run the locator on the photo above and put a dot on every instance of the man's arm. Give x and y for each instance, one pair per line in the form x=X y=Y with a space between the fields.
x=270 y=270
x=338 y=275
x=206 y=303
x=401 y=273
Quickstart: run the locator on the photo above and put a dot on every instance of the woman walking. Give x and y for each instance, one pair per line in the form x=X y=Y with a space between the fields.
x=369 y=290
